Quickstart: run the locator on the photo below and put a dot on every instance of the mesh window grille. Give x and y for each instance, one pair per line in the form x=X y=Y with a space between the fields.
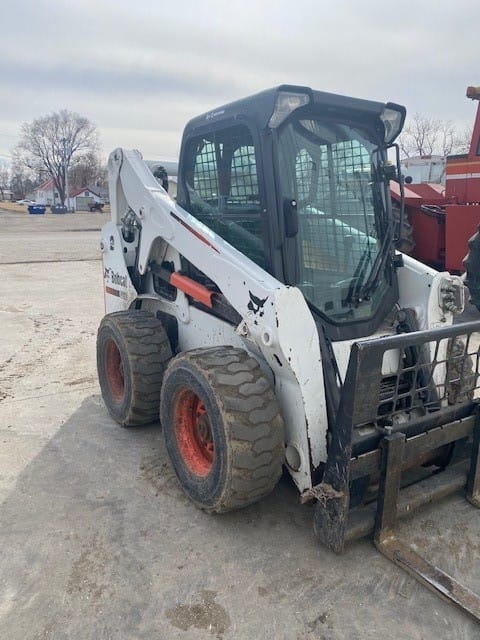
x=225 y=193
x=304 y=170
x=205 y=179
x=244 y=186
x=338 y=232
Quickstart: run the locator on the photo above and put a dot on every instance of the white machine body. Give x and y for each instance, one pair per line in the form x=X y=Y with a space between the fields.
x=278 y=329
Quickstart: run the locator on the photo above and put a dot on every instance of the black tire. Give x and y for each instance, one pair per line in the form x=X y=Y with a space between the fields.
x=461 y=376
x=222 y=426
x=132 y=353
x=407 y=243
x=471 y=263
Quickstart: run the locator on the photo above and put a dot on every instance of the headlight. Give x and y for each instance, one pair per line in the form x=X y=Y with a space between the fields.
x=393 y=117
x=285 y=103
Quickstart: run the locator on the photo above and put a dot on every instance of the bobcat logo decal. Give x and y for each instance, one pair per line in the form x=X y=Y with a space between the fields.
x=256 y=304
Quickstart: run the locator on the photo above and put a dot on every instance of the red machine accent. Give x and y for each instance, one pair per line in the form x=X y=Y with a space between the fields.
x=191 y=288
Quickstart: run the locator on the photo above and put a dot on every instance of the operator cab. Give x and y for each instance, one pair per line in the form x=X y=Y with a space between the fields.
x=297 y=180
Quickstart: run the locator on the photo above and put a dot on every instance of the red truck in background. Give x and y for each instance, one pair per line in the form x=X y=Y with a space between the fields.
x=445 y=220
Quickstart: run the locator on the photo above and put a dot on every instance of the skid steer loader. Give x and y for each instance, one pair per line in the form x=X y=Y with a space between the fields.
x=266 y=314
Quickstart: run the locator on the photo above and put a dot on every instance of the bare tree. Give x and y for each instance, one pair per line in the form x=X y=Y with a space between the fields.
x=87 y=170
x=4 y=179
x=22 y=179
x=464 y=139
x=424 y=136
x=419 y=135
x=54 y=142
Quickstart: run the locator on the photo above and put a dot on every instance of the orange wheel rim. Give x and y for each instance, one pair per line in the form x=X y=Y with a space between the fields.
x=114 y=371
x=193 y=433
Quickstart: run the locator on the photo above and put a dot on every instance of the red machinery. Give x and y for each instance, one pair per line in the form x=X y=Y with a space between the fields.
x=443 y=219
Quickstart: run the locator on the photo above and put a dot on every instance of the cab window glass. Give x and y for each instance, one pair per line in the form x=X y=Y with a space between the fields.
x=329 y=170
x=223 y=188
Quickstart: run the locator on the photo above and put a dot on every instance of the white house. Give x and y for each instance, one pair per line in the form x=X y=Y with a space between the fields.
x=78 y=200
x=46 y=193
x=81 y=199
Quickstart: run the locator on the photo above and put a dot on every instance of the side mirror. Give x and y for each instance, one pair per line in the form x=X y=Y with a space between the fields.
x=290 y=215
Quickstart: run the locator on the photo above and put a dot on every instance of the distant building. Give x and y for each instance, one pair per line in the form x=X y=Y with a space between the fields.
x=6 y=195
x=46 y=193
x=79 y=198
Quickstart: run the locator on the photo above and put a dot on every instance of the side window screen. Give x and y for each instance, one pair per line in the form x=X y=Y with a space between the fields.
x=244 y=189
x=223 y=188
x=304 y=166
x=205 y=179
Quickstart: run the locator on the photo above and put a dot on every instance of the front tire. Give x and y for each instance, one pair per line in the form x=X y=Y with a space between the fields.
x=222 y=426
x=132 y=353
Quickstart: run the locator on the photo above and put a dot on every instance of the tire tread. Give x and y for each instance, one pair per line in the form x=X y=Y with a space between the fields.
x=148 y=350
x=256 y=430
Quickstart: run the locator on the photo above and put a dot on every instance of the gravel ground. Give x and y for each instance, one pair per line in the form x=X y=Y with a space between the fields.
x=98 y=540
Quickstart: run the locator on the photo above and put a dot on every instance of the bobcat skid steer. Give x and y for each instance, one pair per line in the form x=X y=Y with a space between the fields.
x=267 y=318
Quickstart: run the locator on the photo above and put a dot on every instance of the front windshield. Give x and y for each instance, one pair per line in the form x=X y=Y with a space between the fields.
x=329 y=170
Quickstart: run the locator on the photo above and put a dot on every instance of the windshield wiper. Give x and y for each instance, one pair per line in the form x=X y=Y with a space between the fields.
x=363 y=292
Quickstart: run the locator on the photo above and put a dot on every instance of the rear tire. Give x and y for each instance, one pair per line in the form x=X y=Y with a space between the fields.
x=222 y=426
x=461 y=376
x=132 y=353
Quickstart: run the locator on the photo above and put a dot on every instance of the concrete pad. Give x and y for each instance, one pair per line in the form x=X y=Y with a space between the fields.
x=99 y=542
x=25 y=238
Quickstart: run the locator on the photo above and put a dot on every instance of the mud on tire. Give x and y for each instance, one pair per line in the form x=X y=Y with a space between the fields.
x=222 y=426
x=132 y=352
x=461 y=376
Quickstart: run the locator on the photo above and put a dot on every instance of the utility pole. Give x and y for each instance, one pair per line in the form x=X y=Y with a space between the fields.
x=65 y=168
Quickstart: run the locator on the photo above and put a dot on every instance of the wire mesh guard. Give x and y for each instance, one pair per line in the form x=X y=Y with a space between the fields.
x=333 y=246
x=417 y=377
x=225 y=171
x=225 y=181
x=338 y=225
x=205 y=180
x=339 y=222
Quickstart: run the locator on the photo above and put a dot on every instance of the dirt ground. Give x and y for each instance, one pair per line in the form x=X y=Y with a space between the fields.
x=98 y=542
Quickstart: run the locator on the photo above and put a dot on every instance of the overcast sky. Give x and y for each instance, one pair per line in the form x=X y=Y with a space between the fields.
x=140 y=69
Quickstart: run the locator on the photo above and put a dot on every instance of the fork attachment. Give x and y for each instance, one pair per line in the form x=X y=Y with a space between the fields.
x=405 y=440
x=402 y=554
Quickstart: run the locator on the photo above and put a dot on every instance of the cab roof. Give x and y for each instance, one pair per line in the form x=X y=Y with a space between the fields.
x=260 y=107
